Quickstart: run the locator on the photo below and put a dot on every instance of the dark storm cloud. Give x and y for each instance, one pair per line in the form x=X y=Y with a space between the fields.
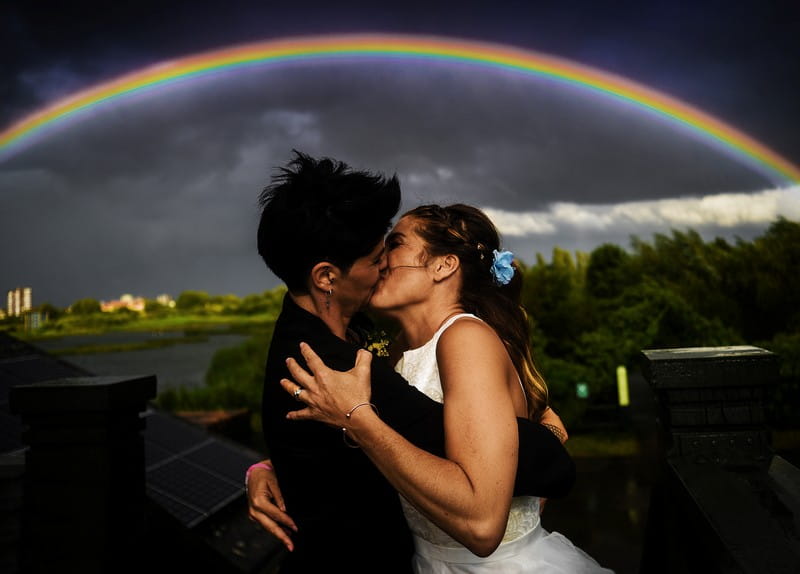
x=157 y=193
x=481 y=133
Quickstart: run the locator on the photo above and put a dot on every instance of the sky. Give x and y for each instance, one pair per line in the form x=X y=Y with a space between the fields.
x=156 y=193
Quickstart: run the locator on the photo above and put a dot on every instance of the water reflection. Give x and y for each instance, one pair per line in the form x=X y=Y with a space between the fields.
x=181 y=365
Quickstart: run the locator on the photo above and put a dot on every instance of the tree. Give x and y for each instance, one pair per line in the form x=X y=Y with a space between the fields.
x=609 y=271
x=192 y=300
x=553 y=294
x=153 y=307
x=85 y=307
x=51 y=311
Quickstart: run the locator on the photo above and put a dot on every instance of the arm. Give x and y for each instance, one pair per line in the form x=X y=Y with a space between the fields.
x=554 y=424
x=480 y=427
x=266 y=506
x=461 y=495
x=544 y=466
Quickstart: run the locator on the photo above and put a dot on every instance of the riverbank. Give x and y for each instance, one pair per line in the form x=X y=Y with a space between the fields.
x=178 y=360
x=189 y=323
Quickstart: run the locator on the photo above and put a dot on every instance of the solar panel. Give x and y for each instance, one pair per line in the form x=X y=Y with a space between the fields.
x=180 y=510
x=170 y=433
x=33 y=369
x=198 y=472
x=154 y=453
x=225 y=461
x=13 y=347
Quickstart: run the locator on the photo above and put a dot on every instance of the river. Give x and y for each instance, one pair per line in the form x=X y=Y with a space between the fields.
x=179 y=365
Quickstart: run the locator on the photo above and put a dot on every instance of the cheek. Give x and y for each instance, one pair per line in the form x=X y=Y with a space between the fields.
x=370 y=278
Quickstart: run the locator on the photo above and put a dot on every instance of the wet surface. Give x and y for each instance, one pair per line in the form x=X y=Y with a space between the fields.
x=606 y=512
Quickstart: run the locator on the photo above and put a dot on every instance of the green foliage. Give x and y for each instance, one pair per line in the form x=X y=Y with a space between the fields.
x=192 y=300
x=93 y=322
x=85 y=307
x=51 y=311
x=153 y=308
x=608 y=272
x=253 y=304
x=594 y=312
x=201 y=312
x=234 y=379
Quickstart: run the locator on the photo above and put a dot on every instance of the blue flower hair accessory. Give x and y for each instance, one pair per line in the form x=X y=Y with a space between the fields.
x=501 y=269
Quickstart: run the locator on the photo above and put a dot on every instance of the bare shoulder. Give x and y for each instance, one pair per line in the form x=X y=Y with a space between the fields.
x=467 y=327
x=468 y=336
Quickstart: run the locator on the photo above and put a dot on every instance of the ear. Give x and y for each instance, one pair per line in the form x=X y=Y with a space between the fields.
x=323 y=275
x=445 y=266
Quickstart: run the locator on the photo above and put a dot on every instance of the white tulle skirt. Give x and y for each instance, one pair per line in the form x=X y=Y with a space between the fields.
x=538 y=551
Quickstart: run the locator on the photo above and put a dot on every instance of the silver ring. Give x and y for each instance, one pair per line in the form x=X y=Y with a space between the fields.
x=297 y=392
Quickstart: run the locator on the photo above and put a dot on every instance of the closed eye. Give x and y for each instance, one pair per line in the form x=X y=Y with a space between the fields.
x=393 y=241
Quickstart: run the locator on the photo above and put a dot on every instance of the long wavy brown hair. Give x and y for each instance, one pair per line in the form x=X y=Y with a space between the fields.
x=467 y=232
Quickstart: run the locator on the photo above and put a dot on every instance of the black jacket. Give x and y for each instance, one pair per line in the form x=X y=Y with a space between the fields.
x=347 y=513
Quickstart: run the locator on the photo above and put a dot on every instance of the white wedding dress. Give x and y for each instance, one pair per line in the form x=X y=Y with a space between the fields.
x=526 y=546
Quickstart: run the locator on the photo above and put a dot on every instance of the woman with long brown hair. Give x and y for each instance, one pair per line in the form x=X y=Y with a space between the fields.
x=464 y=342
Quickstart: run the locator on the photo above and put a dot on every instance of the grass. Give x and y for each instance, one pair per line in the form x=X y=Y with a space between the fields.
x=191 y=324
x=613 y=444
x=602 y=444
x=125 y=347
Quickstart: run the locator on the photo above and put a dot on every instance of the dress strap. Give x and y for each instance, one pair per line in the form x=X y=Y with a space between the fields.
x=452 y=320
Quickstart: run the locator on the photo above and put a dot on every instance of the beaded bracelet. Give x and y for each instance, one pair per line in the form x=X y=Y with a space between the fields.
x=350 y=414
x=556 y=431
x=263 y=465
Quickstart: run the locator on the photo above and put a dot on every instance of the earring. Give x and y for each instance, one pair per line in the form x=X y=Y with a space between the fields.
x=328 y=299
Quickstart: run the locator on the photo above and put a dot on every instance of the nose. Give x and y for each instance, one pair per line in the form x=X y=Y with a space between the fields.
x=383 y=264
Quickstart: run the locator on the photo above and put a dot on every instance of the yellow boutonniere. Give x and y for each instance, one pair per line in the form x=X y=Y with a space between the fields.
x=377 y=343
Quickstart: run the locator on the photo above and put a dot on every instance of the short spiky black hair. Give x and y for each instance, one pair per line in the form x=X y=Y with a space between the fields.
x=322 y=210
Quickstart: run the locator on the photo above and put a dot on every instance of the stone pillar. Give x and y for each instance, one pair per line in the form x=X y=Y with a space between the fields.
x=718 y=506
x=711 y=403
x=84 y=484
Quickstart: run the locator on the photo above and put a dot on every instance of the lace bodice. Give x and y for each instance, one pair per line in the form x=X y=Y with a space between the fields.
x=419 y=367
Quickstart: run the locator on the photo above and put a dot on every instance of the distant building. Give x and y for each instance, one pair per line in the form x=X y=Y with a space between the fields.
x=34 y=320
x=19 y=301
x=166 y=300
x=125 y=301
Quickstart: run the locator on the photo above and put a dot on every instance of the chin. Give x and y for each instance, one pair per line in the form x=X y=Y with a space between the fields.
x=372 y=306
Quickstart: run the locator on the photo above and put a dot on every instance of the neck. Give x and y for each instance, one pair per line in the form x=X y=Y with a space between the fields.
x=420 y=322
x=333 y=316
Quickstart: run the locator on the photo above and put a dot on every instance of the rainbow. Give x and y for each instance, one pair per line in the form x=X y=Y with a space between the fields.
x=363 y=46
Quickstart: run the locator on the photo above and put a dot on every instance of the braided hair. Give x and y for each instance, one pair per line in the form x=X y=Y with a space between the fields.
x=467 y=232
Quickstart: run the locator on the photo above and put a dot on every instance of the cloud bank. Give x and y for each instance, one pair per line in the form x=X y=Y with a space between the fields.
x=723 y=210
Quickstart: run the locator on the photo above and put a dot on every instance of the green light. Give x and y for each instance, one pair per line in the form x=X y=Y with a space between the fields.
x=622 y=386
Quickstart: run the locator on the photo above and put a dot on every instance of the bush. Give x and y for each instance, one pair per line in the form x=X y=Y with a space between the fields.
x=234 y=379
